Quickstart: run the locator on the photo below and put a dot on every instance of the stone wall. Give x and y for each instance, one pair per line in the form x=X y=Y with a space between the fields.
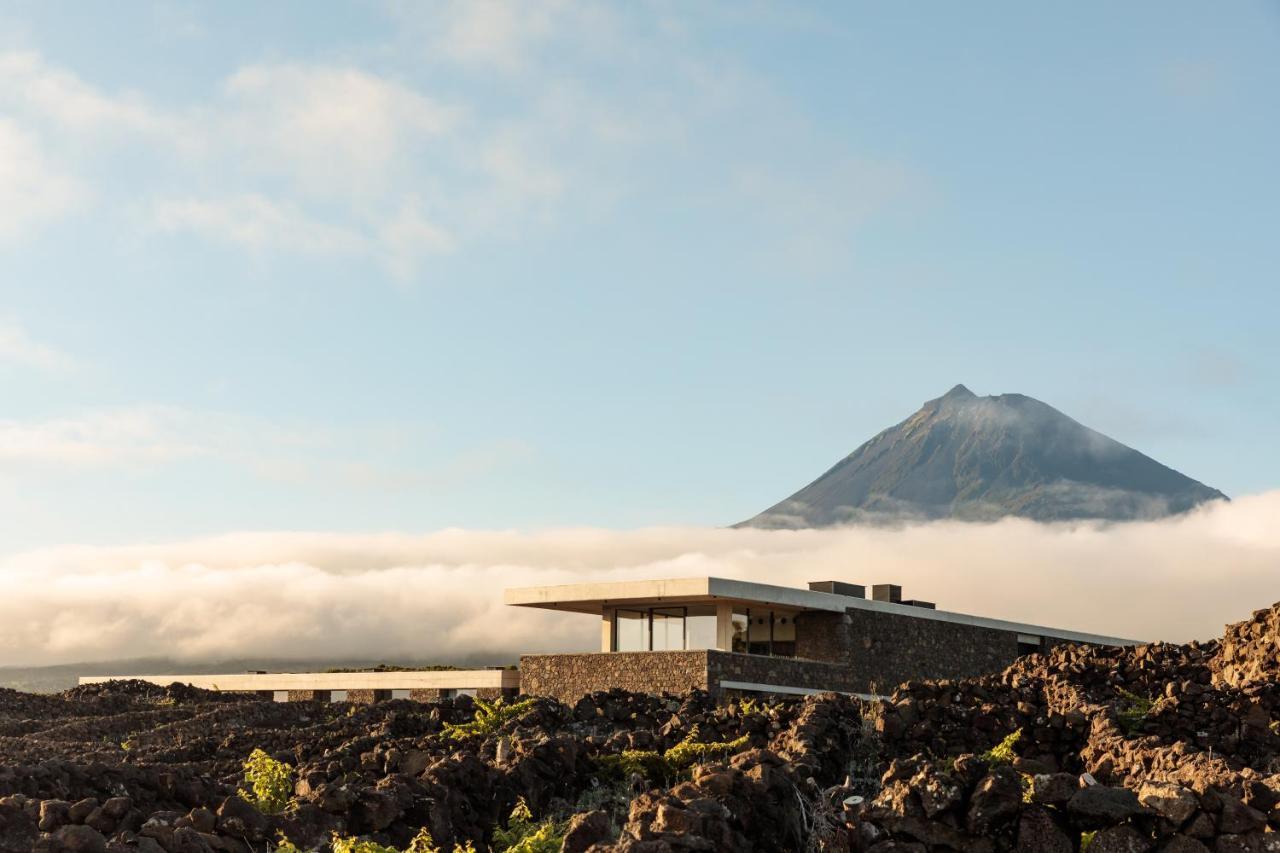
x=567 y=677
x=824 y=636
x=309 y=695
x=889 y=648
x=783 y=672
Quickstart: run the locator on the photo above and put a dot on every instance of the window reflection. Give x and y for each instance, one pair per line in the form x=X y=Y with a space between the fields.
x=740 y=624
x=700 y=627
x=668 y=629
x=631 y=631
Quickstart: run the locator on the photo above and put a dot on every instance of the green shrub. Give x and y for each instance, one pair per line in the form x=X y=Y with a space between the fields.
x=284 y=845
x=1132 y=710
x=689 y=751
x=1002 y=753
x=524 y=835
x=1086 y=838
x=270 y=783
x=488 y=719
x=659 y=767
x=421 y=843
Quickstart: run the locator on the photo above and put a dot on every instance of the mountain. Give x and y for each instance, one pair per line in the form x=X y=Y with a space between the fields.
x=979 y=458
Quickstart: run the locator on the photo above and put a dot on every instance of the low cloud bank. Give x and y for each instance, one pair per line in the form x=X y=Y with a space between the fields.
x=437 y=597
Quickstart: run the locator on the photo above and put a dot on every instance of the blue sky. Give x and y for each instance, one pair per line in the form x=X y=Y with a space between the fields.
x=412 y=266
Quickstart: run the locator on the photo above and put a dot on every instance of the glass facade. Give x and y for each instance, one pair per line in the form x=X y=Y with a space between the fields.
x=753 y=631
x=758 y=631
x=740 y=625
x=668 y=628
x=631 y=631
x=700 y=627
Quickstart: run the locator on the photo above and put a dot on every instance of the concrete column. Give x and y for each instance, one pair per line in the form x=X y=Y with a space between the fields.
x=724 y=626
x=606 y=630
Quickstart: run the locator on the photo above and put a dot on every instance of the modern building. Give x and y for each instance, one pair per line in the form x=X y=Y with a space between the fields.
x=719 y=635
x=422 y=685
x=730 y=635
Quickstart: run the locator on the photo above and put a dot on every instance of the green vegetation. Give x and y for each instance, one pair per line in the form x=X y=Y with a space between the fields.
x=488 y=719
x=1086 y=838
x=270 y=783
x=747 y=707
x=1132 y=710
x=665 y=766
x=524 y=835
x=1002 y=753
x=421 y=843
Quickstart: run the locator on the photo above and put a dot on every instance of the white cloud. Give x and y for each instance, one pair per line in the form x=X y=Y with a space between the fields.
x=18 y=347
x=32 y=190
x=126 y=436
x=430 y=152
x=254 y=222
x=59 y=95
x=437 y=596
x=330 y=129
x=494 y=34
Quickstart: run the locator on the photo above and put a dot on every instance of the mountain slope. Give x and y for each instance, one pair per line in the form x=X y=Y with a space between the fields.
x=977 y=458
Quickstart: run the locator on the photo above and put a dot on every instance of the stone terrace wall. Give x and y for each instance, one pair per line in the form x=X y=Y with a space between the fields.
x=568 y=677
x=783 y=672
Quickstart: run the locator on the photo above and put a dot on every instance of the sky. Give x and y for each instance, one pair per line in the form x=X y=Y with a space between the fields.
x=407 y=267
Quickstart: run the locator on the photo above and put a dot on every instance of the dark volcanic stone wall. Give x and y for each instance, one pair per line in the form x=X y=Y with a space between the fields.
x=785 y=672
x=824 y=636
x=889 y=649
x=567 y=677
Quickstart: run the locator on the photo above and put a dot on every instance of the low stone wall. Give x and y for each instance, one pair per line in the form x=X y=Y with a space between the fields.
x=568 y=677
x=781 y=672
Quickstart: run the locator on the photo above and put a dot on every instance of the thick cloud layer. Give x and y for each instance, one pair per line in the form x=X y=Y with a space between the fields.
x=437 y=597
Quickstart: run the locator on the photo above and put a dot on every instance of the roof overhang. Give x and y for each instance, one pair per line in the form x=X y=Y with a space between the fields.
x=594 y=598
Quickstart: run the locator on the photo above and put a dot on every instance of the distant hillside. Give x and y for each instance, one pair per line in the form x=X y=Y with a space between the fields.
x=978 y=458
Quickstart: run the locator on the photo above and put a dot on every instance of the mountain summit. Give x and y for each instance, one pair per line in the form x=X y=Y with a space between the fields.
x=978 y=458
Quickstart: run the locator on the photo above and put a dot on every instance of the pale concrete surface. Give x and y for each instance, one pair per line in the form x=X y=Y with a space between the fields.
x=457 y=679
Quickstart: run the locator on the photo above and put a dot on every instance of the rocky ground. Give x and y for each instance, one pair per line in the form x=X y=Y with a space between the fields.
x=1157 y=748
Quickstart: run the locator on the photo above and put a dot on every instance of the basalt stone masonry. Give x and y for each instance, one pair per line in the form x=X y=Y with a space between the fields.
x=567 y=677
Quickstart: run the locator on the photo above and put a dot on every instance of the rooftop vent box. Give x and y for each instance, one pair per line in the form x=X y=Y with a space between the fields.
x=853 y=590
x=890 y=592
x=915 y=602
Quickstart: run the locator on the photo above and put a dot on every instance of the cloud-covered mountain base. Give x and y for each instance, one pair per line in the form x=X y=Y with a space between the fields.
x=437 y=597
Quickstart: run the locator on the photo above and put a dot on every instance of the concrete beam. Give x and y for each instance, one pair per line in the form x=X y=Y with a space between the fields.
x=454 y=679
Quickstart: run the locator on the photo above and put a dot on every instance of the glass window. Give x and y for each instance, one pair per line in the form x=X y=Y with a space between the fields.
x=700 y=627
x=631 y=631
x=761 y=632
x=668 y=629
x=784 y=635
x=740 y=625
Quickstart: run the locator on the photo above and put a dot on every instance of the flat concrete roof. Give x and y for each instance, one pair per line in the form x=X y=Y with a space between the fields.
x=442 y=679
x=593 y=597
